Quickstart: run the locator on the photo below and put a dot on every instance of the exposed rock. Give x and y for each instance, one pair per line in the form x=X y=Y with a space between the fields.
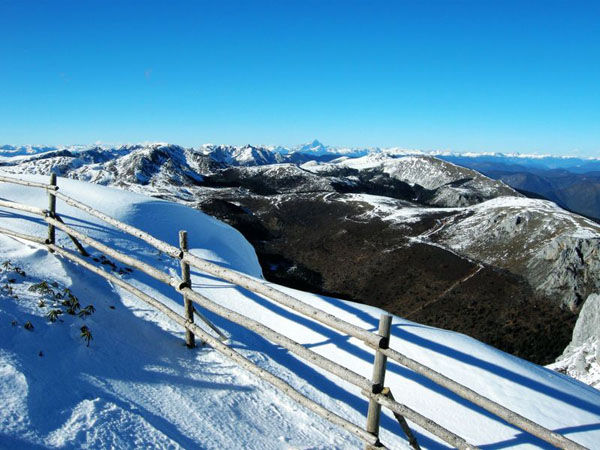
x=568 y=267
x=581 y=358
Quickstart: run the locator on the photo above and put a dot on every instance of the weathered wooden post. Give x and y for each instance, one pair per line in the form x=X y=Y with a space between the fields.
x=190 y=339
x=51 y=211
x=378 y=378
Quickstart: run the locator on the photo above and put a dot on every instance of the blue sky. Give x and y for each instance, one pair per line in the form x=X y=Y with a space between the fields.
x=465 y=76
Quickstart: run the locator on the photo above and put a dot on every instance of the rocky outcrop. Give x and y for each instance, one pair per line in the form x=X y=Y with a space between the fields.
x=568 y=267
x=581 y=358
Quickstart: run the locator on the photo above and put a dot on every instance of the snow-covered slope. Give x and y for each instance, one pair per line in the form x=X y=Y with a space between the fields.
x=455 y=185
x=136 y=385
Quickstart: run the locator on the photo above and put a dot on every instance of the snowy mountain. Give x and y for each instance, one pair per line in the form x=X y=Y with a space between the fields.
x=136 y=385
x=164 y=164
x=316 y=148
x=242 y=156
x=453 y=185
x=9 y=151
x=12 y=150
x=139 y=164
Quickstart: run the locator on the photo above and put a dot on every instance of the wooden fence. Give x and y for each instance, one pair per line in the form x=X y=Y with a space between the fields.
x=373 y=389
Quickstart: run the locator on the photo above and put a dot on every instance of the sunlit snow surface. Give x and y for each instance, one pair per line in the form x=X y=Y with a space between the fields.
x=137 y=386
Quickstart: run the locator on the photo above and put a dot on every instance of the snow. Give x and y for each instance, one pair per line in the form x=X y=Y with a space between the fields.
x=394 y=210
x=136 y=385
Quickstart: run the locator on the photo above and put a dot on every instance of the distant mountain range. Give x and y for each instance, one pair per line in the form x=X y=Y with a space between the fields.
x=571 y=182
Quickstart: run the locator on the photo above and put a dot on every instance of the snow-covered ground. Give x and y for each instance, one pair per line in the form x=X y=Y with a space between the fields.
x=137 y=385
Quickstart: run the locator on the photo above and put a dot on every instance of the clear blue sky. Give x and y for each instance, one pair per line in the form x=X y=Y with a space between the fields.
x=465 y=76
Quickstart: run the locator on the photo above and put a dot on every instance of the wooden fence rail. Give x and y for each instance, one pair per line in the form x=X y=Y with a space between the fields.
x=372 y=389
x=27 y=237
x=294 y=304
x=12 y=180
x=21 y=207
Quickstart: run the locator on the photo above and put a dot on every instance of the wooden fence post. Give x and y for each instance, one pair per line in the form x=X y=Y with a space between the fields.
x=378 y=378
x=190 y=339
x=51 y=211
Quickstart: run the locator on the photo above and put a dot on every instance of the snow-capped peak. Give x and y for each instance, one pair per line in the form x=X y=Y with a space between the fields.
x=314 y=147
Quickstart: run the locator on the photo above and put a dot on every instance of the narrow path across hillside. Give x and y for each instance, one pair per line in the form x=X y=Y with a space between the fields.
x=470 y=275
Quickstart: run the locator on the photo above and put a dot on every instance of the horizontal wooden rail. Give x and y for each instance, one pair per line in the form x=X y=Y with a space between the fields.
x=28 y=183
x=28 y=237
x=21 y=207
x=146 y=268
x=170 y=250
x=422 y=421
x=225 y=350
x=498 y=410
